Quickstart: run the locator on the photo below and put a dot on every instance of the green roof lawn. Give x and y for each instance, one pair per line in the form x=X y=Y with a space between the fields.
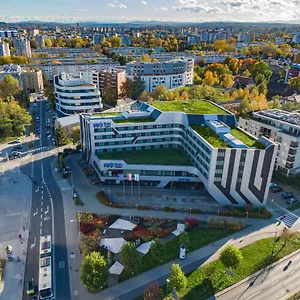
x=166 y=156
x=104 y=114
x=135 y=120
x=211 y=137
x=189 y=107
x=246 y=139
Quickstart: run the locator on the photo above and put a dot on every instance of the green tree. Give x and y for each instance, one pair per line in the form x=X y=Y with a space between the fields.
x=145 y=96
x=115 y=41
x=160 y=93
x=48 y=43
x=9 y=87
x=295 y=83
x=226 y=80
x=5 y=121
x=157 y=249
x=177 y=278
x=262 y=68
x=109 y=95
x=49 y=93
x=138 y=87
x=297 y=58
x=94 y=272
x=231 y=257
x=60 y=136
x=184 y=238
x=127 y=88
x=75 y=134
x=129 y=257
x=275 y=102
x=262 y=88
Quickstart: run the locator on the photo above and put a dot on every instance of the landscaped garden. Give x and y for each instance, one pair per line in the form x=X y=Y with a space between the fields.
x=125 y=247
x=2 y=261
x=134 y=120
x=246 y=139
x=166 y=156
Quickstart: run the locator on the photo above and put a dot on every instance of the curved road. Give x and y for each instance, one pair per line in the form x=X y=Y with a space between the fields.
x=47 y=214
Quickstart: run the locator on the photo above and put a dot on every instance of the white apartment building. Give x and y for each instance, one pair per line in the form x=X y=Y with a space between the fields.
x=296 y=38
x=22 y=46
x=281 y=127
x=4 y=48
x=172 y=74
x=74 y=94
x=40 y=41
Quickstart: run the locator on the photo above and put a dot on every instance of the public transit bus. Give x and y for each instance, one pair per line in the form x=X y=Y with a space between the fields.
x=45 y=246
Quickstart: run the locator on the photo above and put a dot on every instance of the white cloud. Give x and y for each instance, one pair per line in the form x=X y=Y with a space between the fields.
x=194 y=7
x=161 y=8
x=145 y=3
x=116 y=4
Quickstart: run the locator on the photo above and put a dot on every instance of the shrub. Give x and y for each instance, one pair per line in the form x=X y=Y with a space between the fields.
x=118 y=205
x=195 y=211
x=129 y=236
x=154 y=229
x=145 y=235
x=139 y=228
x=143 y=207
x=162 y=233
x=224 y=223
x=153 y=292
x=85 y=228
x=2 y=262
x=103 y=198
x=169 y=209
x=191 y=222
x=261 y=213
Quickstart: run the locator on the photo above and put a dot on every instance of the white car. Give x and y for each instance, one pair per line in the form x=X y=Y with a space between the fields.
x=19 y=140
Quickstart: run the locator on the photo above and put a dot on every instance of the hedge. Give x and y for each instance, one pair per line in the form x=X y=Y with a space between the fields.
x=2 y=262
x=169 y=209
x=241 y=212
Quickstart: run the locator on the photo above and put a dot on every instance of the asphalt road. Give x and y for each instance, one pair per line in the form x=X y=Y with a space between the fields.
x=272 y=283
x=47 y=215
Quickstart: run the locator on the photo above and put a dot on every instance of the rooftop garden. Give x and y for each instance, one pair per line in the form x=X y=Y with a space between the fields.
x=166 y=156
x=210 y=136
x=104 y=114
x=246 y=139
x=189 y=107
x=135 y=120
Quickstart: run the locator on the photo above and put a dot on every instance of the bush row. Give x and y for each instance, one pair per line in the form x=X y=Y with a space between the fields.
x=224 y=223
x=2 y=261
x=235 y=212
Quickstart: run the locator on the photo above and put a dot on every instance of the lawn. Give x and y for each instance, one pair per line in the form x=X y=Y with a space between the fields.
x=210 y=136
x=189 y=107
x=104 y=114
x=255 y=257
x=198 y=238
x=246 y=139
x=135 y=120
x=166 y=156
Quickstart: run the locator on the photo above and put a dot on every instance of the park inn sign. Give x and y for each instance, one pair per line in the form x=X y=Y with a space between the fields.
x=102 y=124
x=113 y=165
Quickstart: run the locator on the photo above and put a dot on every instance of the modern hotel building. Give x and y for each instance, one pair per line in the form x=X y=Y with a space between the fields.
x=74 y=95
x=172 y=74
x=169 y=142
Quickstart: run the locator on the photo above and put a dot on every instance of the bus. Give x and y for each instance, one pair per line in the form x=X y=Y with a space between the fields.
x=45 y=268
x=45 y=245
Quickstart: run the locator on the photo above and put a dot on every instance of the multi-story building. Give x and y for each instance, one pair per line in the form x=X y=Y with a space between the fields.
x=4 y=48
x=296 y=38
x=33 y=81
x=74 y=94
x=50 y=70
x=40 y=41
x=172 y=74
x=98 y=39
x=22 y=46
x=13 y=70
x=234 y=167
x=8 y=33
x=35 y=32
x=244 y=37
x=126 y=40
x=109 y=82
x=294 y=71
x=281 y=127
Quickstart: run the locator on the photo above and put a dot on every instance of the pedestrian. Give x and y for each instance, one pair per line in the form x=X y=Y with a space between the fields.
x=21 y=281
x=23 y=251
x=20 y=236
x=23 y=228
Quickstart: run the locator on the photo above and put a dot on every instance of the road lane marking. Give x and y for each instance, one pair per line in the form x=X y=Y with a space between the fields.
x=37 y=189
x=274 y=282
x=253 y=295
x=41 y=224
x=42 y=203
x=35 y=212
x=41 y=209
x=47 y=210
x=32 y=245
x=42 y=190
x=42 y=197
x=40 y=231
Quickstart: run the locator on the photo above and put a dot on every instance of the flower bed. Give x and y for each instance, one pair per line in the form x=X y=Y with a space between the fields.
x=2 y=262
x=259 y=213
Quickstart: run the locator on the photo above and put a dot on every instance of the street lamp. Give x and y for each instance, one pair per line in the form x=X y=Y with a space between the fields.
x=168 y=280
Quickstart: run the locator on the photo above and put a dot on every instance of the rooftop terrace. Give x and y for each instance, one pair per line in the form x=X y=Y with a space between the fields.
x=165 y=156
x=281 y=115
x=189 y=107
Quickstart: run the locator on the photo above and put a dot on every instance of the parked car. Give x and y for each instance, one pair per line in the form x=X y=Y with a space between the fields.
x=17 y=148
x=287 y=195
x=19 y=140
x=276 y=189
x=37 y=119
x=67 y=170
x=272 y=184
x=291 y=200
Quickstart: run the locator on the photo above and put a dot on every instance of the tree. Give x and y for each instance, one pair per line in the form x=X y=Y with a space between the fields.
x=297 y=58
x=9 y=87
x=153 y=292
x=127 y=88
x=88 y=244
x=49 y=93
x=75 y=134
x=110 y=95
x=226 y=80
x=160 y=93
x=129 y=257
x=145 y=96
x=60 y=136
x=275 y=102
x=94 y=272
x=177 y=278
x=210 y=78
x=285 y=235
x=48 y=43
x=184 y=238
x=138 y=87
x=231 y=257
x=115 y=41
x=262 y=68
x=157 y=249
x=295 y=83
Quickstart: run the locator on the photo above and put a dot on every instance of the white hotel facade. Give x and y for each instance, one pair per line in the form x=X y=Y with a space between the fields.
x=234 y=175
x=74 y=95
x=172 y=74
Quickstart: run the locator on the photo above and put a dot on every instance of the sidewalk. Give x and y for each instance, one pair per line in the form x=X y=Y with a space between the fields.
x=15 y=202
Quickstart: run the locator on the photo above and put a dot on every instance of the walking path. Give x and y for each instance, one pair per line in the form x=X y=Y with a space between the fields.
x=133 y=287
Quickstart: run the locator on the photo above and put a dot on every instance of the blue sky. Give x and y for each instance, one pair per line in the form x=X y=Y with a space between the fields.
x=146 y=10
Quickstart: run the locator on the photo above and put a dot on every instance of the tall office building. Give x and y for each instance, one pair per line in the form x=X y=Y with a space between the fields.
x=22 y=46
x=33 y=81
x=40 y=41
x=4 y=48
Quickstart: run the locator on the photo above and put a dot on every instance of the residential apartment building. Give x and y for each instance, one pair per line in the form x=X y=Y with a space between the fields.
x=296 y=38
x=109 y=82
x=8 y=33
x=207 y=37
x=74 y=94
x=232 y=172
x=22 y=46
x=294 y=71
x=4 y=48
x=281 y=127
x=98 y=39
x=40 y=41
x=33 y=81
x=126 y=40
x=172 y=74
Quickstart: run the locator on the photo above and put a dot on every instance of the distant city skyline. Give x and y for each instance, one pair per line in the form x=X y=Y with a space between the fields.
x=150 y=10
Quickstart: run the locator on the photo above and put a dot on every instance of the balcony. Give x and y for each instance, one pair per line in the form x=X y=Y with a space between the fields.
x=294 y=144
x=292 y=152
x=290 y=158
x=289 y=165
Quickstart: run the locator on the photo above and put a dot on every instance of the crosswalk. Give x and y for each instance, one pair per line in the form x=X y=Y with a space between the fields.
x=43 y=148
x=64 y=185
x=288 y=219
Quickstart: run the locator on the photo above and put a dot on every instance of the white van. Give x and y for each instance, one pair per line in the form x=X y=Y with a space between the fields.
x=18 y=140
